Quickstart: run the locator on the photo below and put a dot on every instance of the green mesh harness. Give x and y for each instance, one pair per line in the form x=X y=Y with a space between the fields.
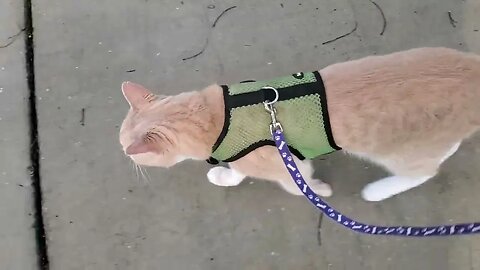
x=301 y=108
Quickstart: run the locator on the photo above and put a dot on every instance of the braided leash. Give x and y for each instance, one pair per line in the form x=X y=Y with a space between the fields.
x=443 y=230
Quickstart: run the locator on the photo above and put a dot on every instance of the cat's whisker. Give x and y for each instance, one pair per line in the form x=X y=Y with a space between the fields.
x=142 y=172
x=136 y=171
x=149 y=178
x=132 y=168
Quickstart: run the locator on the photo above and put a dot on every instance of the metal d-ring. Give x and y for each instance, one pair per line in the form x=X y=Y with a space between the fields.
x=268 y=102
x=274 y=125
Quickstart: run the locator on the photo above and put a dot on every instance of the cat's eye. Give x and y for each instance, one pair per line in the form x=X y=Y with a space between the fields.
x=150 y=137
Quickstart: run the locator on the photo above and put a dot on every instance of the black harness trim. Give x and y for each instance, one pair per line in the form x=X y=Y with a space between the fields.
x=256 y=145
x=226 y=123
x=262 y=95
x=326 y=118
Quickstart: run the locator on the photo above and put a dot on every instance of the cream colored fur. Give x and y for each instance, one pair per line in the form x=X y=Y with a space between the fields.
x=406 y=111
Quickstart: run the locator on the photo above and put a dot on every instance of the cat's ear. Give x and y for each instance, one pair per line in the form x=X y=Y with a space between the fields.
x=136 y=95
x=140 y=146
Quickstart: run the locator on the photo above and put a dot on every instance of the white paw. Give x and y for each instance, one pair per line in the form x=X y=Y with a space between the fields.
x=294 y=191
x=390 y=186
x=224 y=177
x=321 y=188
x=374 y=192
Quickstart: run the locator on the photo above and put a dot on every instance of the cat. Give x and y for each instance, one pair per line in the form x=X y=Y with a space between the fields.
x=406 y=111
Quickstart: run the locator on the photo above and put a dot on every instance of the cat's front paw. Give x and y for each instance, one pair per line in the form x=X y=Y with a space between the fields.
x=322 y=189
x=224 y=177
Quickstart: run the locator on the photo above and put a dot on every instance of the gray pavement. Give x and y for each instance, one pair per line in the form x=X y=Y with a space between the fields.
x=100 y=215
x=17 y=238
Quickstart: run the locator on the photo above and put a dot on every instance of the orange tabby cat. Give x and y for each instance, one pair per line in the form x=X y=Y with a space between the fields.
x=407 y=111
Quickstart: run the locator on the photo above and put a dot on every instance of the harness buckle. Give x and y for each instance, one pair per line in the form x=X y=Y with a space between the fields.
x=270 y=108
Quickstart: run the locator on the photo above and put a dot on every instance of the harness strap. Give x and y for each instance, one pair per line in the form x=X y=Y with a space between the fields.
x=287 y=91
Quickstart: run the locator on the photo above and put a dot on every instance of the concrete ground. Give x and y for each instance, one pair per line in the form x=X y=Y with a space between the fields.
x=17 y=236
x=99 y=215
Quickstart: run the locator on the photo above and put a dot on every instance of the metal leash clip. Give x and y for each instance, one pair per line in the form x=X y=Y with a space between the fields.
x=269 y=107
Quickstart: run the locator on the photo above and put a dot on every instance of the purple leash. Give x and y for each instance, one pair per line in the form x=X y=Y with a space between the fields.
x=282 y=146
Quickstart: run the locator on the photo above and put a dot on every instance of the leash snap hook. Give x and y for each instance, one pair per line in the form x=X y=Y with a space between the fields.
x=269 y=107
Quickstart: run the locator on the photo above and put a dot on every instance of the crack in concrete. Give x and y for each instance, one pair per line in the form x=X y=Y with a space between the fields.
x=39 y=225
x=12 y=39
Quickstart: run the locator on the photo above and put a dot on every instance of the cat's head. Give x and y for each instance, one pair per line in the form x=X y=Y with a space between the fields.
x=156 y=129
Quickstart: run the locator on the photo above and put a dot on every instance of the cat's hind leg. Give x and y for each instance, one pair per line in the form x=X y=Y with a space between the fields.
x=390 y=186
x=451 y=152
x=409 y=172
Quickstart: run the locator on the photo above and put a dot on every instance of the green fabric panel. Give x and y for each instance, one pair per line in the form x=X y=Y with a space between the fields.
x=248 y=125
